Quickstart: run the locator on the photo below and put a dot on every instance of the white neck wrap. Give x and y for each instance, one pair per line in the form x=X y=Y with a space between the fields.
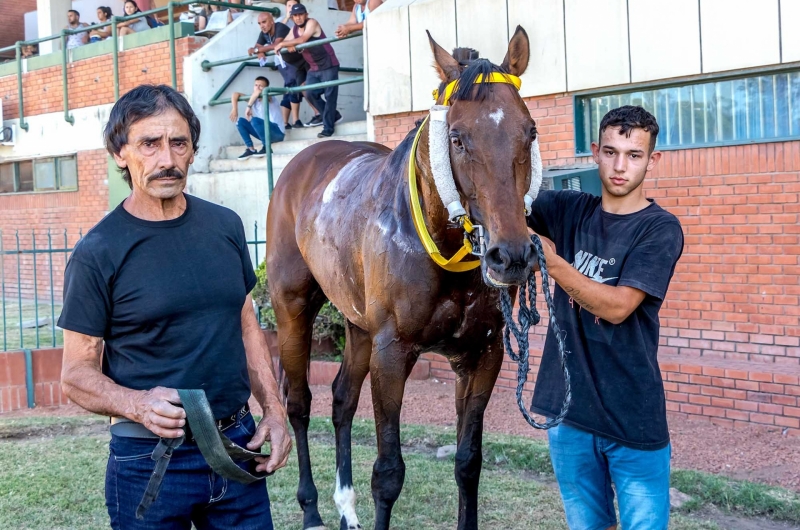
x=439 y=152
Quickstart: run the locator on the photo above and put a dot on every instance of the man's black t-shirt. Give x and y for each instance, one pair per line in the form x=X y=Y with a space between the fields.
x=617 y=390
x=167 y=298
x=281 y=31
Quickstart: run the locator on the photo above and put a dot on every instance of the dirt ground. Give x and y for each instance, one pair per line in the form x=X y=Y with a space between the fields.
x=754 y=453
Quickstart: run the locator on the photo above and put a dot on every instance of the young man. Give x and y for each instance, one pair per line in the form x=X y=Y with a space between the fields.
x=74 y=22
x=156 y=299
x=323 y=66
x=252 y=125
x=613 y=260
x=291 y=65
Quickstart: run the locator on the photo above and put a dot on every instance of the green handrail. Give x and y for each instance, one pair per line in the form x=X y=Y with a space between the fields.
x=292 y=90
x=170 y=8
x=69 y=119
x=208 y=65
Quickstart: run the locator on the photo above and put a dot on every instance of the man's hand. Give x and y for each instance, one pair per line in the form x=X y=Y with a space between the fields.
x=278 y=47
x=234 y=115
x=251 y=51
x=248 y=113
x=156 y=409
x=342 y=31
x=272 y=427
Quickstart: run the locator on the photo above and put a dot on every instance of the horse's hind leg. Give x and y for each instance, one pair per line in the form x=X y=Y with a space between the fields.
x=473 y=390
x=296 y=298
x=346 y=391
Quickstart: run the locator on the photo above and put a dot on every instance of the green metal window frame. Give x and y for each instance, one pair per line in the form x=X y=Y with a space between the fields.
x=57 y=177
x=580 y=98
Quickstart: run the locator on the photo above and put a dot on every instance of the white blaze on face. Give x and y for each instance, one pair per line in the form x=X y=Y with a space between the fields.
x=345 y=499
x=497 y=116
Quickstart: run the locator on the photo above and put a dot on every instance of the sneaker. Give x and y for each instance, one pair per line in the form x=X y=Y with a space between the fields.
x=339 y=117
x=316 y=121
x=287 y=126
x=247 y=154
x=298 y=124
x=325 y=134
x=261 y=153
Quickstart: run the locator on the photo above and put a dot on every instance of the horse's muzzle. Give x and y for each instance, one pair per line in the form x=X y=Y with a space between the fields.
x=508 y=264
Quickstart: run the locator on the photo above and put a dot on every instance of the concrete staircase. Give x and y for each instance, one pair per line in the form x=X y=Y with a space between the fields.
x=241 y=185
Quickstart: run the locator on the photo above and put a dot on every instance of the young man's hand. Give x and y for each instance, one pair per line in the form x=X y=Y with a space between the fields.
x=248 y=113
x=549 y=249
x=342 y=31
x=234 y=115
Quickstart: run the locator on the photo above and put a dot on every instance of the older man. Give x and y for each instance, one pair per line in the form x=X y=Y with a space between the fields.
x=156 y=299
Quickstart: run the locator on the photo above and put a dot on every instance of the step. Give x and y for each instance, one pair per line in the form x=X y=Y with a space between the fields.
x=343 y=128
x=224 y=165
x=291 y=146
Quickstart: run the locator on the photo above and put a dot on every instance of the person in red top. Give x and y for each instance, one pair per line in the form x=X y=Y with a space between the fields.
x=323 y=66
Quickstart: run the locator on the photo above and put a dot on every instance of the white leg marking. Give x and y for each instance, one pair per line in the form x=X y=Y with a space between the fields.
x=345 y=499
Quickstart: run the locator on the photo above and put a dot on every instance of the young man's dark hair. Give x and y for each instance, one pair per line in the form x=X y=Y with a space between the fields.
x=262 y=78
x=628 y=118
x=143 y=102
x=76 y=13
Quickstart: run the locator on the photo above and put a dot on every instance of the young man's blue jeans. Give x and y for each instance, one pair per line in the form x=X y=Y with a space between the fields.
x=254 y=128
x=586 y=465
x=326 y=108
x=190 y=492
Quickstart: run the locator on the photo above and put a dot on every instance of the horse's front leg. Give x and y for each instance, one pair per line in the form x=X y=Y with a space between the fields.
x=474 y=385
x=390 y=365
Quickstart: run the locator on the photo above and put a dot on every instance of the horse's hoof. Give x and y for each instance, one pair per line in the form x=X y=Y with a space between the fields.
x=316 y=528
x=344 y=526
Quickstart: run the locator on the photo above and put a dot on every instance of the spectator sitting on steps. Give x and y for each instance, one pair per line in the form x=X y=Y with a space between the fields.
x=252 y=125
x=323 y=66
x=103 y=15
x=361 y=9
x=132 y=26
x=74 y=22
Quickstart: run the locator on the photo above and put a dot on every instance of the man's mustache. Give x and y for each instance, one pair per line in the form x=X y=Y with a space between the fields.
x=172 y=172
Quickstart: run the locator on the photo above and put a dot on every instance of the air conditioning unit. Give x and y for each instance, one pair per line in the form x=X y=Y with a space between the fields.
x=8 y=134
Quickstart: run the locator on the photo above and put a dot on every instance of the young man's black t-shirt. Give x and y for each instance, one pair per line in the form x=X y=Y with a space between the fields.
x=167 y=299
x=281 y=31
x=617 y=390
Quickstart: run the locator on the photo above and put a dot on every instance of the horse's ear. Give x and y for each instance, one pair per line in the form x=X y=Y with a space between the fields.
x=519 y=52
x=445 y=64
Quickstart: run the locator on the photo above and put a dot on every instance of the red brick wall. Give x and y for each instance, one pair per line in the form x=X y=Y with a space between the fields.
x=46 y=380
x=29 y=213
x=91 y=81
x=12 y=21
x=730 y=335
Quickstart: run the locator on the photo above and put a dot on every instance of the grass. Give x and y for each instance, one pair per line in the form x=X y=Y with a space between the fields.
x=56 y=481
x=9 y=333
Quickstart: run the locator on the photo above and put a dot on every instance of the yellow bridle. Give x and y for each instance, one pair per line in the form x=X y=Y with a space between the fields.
x=454 y=264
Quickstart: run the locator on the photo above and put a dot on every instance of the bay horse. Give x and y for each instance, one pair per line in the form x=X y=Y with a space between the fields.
x=339 y=228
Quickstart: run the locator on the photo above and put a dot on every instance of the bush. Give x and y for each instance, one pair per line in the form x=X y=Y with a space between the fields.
x=330 y=323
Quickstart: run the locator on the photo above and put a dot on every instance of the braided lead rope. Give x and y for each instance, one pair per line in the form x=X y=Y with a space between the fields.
x=528 y=316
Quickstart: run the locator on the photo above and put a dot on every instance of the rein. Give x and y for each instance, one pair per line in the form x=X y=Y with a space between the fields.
x=528 y=315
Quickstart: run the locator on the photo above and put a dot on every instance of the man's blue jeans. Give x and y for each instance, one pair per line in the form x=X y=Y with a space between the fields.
x=326 y=108
x=190 y=492
x=254 y=128
x=586 y=465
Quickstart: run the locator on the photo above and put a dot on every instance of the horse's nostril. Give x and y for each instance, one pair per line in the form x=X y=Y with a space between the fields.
x=497 y=258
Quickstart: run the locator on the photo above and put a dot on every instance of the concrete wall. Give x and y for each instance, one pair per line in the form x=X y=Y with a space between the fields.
x=576 y=44
x=234 y=41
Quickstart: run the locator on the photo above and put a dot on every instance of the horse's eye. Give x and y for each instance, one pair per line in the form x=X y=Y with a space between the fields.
x=456 y=141
x=533 y=133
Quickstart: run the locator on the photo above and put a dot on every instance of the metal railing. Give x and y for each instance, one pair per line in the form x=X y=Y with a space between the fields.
x=170 y=8
x=31 y=282
x=270 y=91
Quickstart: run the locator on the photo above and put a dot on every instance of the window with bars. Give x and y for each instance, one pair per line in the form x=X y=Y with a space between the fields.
x=40 y=174
x=729 y=111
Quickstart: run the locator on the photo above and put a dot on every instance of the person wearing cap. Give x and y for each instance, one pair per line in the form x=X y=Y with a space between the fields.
x=323 y=66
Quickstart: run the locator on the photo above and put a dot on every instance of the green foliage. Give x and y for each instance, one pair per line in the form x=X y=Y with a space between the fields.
x=330 y=323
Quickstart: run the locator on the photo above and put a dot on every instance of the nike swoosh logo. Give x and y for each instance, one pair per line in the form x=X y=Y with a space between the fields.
x=604 y=280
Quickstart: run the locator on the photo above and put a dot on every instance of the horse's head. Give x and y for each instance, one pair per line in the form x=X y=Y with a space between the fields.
x=489 y=133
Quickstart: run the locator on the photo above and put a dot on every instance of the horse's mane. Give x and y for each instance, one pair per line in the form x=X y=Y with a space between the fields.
x=466 y=81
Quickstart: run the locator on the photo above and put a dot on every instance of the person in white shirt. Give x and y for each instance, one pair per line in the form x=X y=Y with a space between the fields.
x=252 y=125
x=74 y=22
